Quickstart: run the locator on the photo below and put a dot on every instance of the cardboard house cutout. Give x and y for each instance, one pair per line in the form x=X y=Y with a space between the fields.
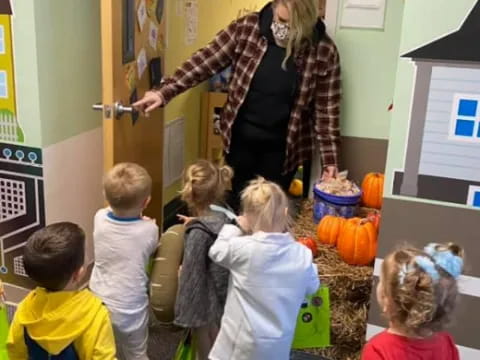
x=10 y=130
x=22 y=205
x=443 y=150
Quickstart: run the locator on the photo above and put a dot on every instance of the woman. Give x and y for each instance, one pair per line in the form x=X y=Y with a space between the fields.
x=284 y=93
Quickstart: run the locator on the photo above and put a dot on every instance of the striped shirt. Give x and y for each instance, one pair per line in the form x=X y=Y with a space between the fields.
x=314 y=118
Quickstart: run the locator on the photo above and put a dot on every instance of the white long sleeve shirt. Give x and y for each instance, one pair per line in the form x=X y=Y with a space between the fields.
x=270 y=276
x=123 y=248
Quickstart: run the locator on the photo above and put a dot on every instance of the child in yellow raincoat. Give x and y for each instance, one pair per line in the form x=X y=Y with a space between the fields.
x=3 y=325
x=57 y=321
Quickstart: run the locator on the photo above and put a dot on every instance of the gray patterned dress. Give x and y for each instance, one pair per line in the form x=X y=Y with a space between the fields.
x=202 y=290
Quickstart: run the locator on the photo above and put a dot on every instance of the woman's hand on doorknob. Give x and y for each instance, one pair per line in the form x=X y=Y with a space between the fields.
x=150 y=101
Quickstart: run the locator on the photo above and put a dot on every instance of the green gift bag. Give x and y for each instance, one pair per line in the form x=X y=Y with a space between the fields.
x=186 y=349
x=313 y=322
x=3 y=332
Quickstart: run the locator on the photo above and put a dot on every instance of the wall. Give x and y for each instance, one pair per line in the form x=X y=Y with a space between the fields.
x=214 y=15
x=69 y=78
x=369 y=63
x=60 y=162
x=364 y=54
x=69 y=73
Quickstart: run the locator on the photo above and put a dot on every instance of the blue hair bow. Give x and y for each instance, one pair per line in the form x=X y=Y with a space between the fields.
x=427 y=265
x=449 y=262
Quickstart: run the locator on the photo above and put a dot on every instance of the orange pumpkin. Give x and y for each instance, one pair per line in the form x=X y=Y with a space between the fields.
x=372 y=190
x=310 y=243
x=357 y=243
x=329 y=228
x=374 y=217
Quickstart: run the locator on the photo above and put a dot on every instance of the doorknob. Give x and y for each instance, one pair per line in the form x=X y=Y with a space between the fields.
x=118 y=109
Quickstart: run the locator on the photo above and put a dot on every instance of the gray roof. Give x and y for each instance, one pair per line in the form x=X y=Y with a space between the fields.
x=5 y=7
x=462 y=45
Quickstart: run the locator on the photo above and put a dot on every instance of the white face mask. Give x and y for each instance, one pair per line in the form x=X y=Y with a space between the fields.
x=280 y=31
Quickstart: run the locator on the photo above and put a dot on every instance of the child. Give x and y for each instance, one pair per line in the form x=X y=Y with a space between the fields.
x=124 y=241
x=417 y=292
x=56 y=319
x=270 y=273
x=203 y=285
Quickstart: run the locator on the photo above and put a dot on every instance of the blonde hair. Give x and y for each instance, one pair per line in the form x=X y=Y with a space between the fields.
x=416 y=302
x=127 y=186
x=303 y=19
x=266 y=204
x=204 y=184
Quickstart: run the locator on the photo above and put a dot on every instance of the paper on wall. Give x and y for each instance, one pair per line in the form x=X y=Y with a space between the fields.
x=173 y=151
x=130 y=76
x=142 y=14
x=153 y=35
x=141 y=62
x=179 y=8
x=368 y=14
x=151 y=8
x=364 y=4
x=191 y=21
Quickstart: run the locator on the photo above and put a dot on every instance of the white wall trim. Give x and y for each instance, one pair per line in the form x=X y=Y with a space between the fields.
x=468 y=285
x=373 y=330
x=331 y=16
x=472 y=190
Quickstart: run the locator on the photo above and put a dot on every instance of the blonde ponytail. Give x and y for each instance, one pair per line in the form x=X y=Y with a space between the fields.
x=265 y=205
x=204 y=184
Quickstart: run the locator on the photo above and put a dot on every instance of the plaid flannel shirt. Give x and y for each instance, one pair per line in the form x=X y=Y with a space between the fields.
x=314 y=117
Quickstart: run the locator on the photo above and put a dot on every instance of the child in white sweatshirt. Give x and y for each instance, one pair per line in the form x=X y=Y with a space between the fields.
x=270 y=275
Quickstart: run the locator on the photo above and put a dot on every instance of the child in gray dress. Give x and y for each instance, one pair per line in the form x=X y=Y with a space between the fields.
x=203 y=285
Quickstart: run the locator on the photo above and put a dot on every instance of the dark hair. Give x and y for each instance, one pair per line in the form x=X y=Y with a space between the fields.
x=53 y=254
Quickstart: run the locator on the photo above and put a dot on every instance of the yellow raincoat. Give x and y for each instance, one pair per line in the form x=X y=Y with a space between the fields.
x=55 y=320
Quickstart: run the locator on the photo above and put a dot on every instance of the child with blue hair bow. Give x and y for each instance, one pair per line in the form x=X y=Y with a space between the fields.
x=417 y=293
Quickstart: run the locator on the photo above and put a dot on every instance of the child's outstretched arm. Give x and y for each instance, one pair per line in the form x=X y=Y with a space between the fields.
x=220 y=252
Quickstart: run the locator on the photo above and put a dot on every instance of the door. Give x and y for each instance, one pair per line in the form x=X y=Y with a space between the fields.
x=132 y=34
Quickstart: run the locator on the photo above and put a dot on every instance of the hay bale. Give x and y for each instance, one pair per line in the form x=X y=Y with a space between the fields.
x=350 y=288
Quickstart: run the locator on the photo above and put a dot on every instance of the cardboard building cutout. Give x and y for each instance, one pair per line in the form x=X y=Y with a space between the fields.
x=10 y=130
x=443 y=150
x=22 y=210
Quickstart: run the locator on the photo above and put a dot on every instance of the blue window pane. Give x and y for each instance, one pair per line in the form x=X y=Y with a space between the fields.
x=2 y=40
x=476 y=199
x=478 y=133
x=464 y=127
x=467 y=107
x=3 y=84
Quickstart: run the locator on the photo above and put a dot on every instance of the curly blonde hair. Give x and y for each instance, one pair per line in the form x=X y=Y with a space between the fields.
x=265 y=205
x=417 y=302
x=204 y=184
